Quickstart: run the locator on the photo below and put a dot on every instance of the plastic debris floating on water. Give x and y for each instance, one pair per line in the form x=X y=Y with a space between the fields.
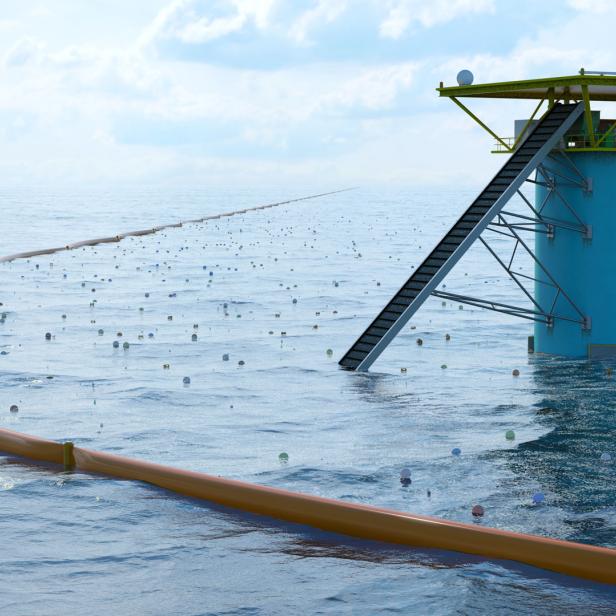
x=538 y=498
x=405 y=476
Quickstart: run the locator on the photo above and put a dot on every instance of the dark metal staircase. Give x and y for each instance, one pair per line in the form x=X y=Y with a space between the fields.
x=539 y=143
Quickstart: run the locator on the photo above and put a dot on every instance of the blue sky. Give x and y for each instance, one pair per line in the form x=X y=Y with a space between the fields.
x=249 y=92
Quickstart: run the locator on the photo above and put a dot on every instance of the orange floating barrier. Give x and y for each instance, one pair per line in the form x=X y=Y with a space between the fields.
x=363 y=521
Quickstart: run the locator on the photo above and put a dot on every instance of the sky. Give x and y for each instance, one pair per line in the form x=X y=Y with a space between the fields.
x=278 y=92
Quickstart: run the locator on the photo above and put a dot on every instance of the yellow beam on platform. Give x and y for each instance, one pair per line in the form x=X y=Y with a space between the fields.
x=588 y=115
x=528 y=123
x=484 y=126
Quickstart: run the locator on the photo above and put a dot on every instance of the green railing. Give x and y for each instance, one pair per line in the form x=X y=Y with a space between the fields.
x=601 y=141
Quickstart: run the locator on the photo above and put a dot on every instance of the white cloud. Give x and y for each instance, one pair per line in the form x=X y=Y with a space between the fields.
x=372 y=89
x=593 y=6
x=40 y=12
x=404 y=13
x=96 y=111
x=204 y=29
x=325 y=11
x=8 y=24
x=186 y=21
x=23 y=52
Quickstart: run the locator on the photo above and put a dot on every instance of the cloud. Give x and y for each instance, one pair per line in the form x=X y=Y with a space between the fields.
x=7 y=25
x=277 y=33
x=23 y=52
x=287 y=111
x=372 y=89
x=325 y=12
x=593 y=6
x=239 y=90
x=40 y=12
x=190 y=21
x=405 y=13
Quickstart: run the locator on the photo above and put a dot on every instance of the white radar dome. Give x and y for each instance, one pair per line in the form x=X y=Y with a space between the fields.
x=465 y=78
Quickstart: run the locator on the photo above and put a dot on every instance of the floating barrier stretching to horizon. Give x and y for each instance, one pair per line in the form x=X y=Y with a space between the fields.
x=362 y=521
x=117 y=238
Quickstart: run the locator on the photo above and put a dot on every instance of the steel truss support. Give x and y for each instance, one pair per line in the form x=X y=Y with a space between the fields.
x=524 y=313
x=549 y=223
x=507 y=224
x=568 y=179
x=549 y=176
x=562 y=156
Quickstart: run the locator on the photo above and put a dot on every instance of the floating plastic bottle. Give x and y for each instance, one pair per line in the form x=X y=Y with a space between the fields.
x=478 y=511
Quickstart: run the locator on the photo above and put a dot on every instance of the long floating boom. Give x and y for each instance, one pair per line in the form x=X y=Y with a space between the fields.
x=117 y=238
x=363 y=521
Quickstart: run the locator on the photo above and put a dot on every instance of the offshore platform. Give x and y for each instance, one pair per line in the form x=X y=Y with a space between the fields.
x=569 y=153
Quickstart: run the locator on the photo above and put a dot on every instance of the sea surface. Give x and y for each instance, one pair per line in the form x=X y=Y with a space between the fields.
x=285 y=291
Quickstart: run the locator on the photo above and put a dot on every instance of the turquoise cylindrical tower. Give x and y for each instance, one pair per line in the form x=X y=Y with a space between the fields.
x=574 y=214
x=578 y=191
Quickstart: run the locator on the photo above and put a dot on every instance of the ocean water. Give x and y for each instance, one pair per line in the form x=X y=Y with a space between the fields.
x=276 y=290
